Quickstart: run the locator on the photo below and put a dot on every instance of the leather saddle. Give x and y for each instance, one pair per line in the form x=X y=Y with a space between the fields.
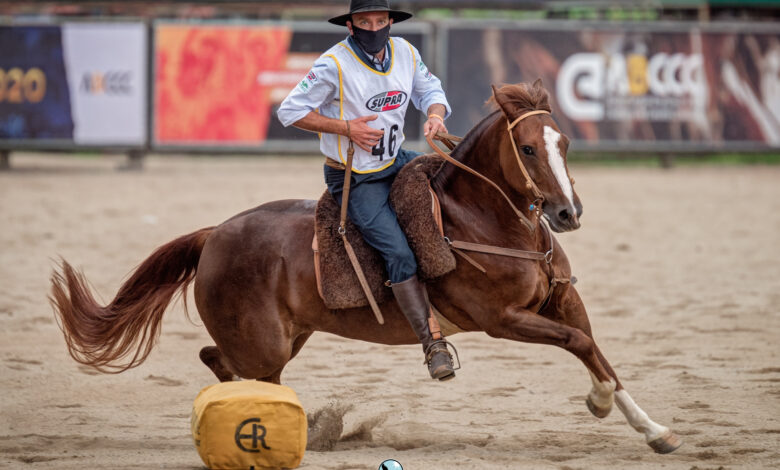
x=419 y=214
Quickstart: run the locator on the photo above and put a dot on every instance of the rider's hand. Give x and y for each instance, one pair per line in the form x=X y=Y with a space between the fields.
x=433 y=125
x=362 y=134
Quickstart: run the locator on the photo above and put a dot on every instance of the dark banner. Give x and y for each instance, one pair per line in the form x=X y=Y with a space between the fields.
x=219 y=85
x=626 y=89
x=34 y=96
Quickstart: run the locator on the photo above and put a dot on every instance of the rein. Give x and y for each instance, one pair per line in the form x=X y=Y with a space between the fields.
x=536 y=206
x=457 y=246
x=343 y=232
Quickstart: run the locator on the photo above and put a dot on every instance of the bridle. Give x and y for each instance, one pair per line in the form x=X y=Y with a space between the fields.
x=529 y=182
x=536 y=206
x=456 y=245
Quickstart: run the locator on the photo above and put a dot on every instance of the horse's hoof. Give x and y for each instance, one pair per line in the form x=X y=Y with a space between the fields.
x=595 y=410
x=666 y=444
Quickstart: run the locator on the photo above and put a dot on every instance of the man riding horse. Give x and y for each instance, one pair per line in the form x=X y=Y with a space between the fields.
x=357 y=92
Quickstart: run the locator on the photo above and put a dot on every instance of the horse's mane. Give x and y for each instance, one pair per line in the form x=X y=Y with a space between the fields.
x=524 y=96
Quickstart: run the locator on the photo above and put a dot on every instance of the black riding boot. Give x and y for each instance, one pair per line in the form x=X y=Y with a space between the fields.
x=411 y=297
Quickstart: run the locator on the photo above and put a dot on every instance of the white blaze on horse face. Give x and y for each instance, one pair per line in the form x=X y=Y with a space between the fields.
x=554 y=158
x=637 y=418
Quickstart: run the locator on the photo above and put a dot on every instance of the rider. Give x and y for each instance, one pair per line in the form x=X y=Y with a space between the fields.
x=359 y=90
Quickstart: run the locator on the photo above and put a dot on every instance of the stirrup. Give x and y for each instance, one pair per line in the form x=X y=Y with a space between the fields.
x=429 y=351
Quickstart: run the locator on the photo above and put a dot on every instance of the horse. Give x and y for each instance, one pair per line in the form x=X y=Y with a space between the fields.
x=255 y=287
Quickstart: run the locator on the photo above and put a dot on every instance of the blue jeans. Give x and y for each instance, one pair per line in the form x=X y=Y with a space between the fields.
x=369 y=209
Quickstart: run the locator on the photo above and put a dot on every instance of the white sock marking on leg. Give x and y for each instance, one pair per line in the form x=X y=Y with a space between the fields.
x=554 y=158
x=637 y=418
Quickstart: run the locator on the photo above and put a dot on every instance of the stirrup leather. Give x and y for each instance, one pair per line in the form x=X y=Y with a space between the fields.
x=430 y=349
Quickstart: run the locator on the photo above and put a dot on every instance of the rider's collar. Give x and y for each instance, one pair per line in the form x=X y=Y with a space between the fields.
x=368 y=59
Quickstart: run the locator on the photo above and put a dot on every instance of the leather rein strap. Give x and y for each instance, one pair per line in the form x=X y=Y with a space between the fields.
x=457 y=245
x=433 y=322
x=538 y=197
x=343 y=232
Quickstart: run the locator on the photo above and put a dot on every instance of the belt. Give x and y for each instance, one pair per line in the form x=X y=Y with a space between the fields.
x=334 y=164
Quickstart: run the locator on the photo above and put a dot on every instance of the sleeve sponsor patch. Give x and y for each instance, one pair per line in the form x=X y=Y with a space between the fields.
x=308 y=81
x=424 y=70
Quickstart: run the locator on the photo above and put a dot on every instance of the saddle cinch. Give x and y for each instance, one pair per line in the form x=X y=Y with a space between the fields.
x=419 y=215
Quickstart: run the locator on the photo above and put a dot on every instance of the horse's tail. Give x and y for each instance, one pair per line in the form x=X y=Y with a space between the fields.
x=121 y=335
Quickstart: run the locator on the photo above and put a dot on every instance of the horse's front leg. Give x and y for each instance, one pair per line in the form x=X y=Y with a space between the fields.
x=521 y=324
x=569 y=309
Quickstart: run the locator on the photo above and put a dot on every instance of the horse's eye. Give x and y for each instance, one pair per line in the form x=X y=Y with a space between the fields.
x=527 y=150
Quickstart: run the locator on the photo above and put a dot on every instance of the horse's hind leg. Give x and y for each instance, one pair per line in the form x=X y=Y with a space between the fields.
x=571 y=311
x=298 y=343
x=211 y=356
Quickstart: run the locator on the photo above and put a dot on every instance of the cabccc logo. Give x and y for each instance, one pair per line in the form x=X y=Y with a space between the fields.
x=386 y=101
x=586 y=80
x=113 y=82
x=250 y=434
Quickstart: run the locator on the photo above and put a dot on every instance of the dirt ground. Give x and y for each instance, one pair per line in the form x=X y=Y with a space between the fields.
x=679 y=269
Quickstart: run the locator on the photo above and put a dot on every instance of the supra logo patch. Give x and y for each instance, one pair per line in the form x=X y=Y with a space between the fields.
x=386 y=101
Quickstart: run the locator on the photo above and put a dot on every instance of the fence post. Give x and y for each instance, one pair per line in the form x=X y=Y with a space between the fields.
x=667 y=160
x=135 y=161
x=5 y=160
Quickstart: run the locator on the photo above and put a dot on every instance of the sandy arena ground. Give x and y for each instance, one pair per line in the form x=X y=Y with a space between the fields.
x=679 y=270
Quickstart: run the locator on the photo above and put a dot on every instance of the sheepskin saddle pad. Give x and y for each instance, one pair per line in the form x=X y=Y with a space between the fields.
x=412 y=200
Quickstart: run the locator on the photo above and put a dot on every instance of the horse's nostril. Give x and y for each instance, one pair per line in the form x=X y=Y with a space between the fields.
x=564 y=214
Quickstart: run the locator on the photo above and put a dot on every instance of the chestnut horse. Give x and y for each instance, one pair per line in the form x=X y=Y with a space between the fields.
x=255 y=285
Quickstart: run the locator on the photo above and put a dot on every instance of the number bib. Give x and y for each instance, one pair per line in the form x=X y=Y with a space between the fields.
x=364 y=91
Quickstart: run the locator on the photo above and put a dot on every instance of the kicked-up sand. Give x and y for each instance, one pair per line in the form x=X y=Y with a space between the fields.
x=679 y=270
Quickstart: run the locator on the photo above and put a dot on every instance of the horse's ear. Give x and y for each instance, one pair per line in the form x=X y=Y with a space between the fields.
x=502 y=102
x=495 y=91
x=538 y=83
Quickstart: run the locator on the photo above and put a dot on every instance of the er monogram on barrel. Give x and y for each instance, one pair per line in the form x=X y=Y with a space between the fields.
x=249 y=424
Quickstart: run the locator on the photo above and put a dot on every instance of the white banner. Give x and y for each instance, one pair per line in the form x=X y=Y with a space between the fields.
x=106 y=68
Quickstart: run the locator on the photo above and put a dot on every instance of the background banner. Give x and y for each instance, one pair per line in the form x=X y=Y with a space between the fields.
x=34 y=98
x=620 y=87
x=220 y=85
x=74 y=84
x=107 y=78
x=209 y=82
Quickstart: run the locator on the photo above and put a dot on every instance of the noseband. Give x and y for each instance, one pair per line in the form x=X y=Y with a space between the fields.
x=536 y=206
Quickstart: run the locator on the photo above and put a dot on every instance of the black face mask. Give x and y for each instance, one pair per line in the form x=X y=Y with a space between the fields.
x=371 y=41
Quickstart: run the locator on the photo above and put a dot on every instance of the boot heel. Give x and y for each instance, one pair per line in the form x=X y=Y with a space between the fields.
x=439 y=360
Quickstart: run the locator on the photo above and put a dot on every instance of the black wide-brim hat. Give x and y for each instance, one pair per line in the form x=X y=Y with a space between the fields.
x=360 y=6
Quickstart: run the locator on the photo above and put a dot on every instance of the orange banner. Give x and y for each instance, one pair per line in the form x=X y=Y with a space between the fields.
x=208 y=85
